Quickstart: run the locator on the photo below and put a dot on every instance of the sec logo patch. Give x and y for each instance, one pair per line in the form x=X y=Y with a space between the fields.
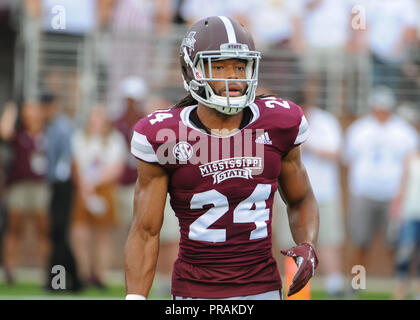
x=183 y=151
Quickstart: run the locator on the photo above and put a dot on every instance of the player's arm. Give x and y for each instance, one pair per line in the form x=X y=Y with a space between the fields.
x=302 y=209
x=296 y=191
x=142 y=246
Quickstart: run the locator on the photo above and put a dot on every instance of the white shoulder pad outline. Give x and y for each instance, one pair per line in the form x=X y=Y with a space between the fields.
x=303 y=133
x=142 y=149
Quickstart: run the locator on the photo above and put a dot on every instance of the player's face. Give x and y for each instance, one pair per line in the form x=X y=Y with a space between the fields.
x=228 y=69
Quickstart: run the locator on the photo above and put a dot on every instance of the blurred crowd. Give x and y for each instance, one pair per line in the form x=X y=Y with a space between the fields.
x=365 y=182
x=335 y=49
x=72 y=177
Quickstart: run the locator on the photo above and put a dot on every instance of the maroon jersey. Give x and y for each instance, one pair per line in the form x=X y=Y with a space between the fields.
x=222 y=192
x=29 y=158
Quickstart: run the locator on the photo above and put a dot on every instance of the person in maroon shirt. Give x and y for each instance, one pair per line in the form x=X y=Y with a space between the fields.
x=221 y=153
x=27 y=190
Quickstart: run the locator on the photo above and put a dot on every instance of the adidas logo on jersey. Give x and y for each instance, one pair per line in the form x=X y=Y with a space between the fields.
x=264 y=139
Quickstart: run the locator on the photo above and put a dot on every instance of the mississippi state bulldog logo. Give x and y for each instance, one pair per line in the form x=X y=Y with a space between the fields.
x=183 y=151
x=189 y=42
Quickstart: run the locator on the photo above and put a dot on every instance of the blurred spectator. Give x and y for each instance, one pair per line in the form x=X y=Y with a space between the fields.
x=273 y=24
x=7 y=126
x=133 y=91
x=178 y=19
x=320 y=155
x=3 y=211
x=81 y=16
x=323 y=38
x=392 y=29
x=99 y=153
x=375 y=148
x=80 y=19
x=58 y=133
x=8 y=50
x=194 y=10
x=145 y=15
x=407 y=207
x=27 y=190
x=59 y=40
x=136 y=26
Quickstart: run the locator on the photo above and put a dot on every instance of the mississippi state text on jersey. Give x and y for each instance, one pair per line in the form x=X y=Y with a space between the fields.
x=222 y=192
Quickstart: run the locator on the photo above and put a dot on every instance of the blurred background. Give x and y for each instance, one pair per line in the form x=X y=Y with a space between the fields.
x=76 y=75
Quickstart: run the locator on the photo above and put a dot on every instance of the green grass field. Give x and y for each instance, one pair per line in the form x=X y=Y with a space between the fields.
x=33 y=291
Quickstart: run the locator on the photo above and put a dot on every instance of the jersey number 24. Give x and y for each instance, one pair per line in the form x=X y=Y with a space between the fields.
x=199 y=229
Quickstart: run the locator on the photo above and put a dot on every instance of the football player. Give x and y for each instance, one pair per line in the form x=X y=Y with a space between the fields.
x=221 y=153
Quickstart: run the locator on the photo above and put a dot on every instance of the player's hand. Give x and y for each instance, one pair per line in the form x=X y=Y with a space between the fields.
x=306 y=260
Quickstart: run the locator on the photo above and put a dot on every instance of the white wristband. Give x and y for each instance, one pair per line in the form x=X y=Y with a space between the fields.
x=135 y=297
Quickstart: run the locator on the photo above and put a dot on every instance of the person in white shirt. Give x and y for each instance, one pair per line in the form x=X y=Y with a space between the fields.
x=324 y=35
x=274 y=24
x=398 y=20
x=321 y=156
x=375 y=148
x=99 y=153
x=193 y=10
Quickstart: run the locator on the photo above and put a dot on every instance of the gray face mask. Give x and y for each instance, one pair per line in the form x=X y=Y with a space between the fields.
x=224 y=104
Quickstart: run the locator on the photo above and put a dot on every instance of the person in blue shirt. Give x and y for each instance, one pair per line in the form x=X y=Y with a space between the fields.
x=59 y=131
